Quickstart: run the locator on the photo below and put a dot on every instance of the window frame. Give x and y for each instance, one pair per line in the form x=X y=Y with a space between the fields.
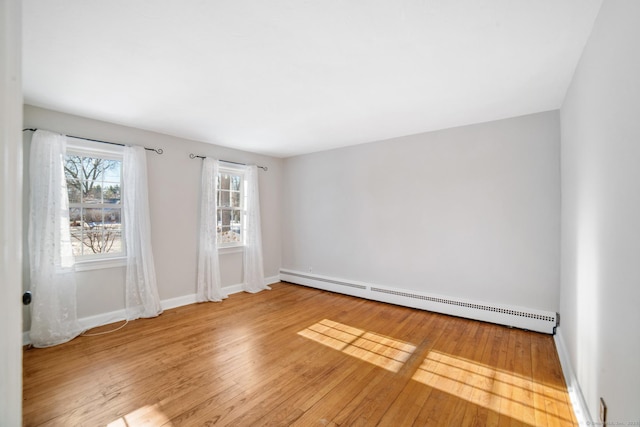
x=231 y=247
x=80 y=147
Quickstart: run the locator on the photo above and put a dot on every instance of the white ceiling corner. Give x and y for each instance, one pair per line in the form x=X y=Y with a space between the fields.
x=287 y=77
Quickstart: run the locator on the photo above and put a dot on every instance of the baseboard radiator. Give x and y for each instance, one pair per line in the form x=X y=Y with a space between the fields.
x=512 y=316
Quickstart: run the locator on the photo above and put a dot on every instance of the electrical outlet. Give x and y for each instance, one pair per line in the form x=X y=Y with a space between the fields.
x=603 y=412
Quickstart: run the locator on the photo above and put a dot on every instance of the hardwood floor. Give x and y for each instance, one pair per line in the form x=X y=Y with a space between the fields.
x=298 y=356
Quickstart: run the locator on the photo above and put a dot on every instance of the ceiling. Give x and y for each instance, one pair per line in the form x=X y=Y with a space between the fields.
x=287 y=77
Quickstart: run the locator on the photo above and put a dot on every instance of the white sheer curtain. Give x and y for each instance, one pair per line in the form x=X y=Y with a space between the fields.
x=53 y=311
x=209 y=285
x=142 y=298
x=253 y=266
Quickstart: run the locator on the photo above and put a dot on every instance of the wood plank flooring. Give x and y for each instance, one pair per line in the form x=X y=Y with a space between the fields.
x=298 y=356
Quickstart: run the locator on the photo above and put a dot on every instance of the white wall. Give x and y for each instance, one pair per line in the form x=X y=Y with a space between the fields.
x=600 y=285
x=174 y=188
x=10 y=214
x=470 y=212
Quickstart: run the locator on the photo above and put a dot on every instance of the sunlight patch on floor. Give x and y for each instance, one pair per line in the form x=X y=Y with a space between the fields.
x=149 y=415
x=500 y=391
x=385 y=352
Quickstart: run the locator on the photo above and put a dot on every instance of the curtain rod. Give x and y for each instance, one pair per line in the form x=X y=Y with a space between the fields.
x=193 y=156
x=157 y=150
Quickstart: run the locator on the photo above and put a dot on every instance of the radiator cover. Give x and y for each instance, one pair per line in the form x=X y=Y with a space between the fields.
x=512 y=316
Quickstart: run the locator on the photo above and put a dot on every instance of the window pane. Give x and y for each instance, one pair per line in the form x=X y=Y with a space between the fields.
x=236 y=226
x=91 y=192
x=75 y=226
x=74 y=191
x=235 y=199
x=75 y=217
x=91 y=230
x=96 y=168
x=112 y=231
x=92 y=217
x=112 y=241
x=224 y=201
x=224 y=180
x=91 y=168
x=228 y=236
x=73 y=167
x=222 y=233
x=111 y=192
x=235 y=217
x=235 y=182
x=226 y=218
x=112 y=218
x=229 y=229
x=111 y=170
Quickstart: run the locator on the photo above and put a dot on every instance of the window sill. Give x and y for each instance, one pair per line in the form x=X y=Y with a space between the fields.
x=230 y=250
x=98 y=264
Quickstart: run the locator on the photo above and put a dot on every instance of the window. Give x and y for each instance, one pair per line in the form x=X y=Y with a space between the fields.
x=94 y=184
x=230 y=224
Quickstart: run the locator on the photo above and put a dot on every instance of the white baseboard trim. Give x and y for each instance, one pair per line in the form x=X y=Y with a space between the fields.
x=101 y=319
x=170 y=303
x=233 y=289
x=502 y=314
x=580 y=408
x=90 y=322
x=272 y=280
